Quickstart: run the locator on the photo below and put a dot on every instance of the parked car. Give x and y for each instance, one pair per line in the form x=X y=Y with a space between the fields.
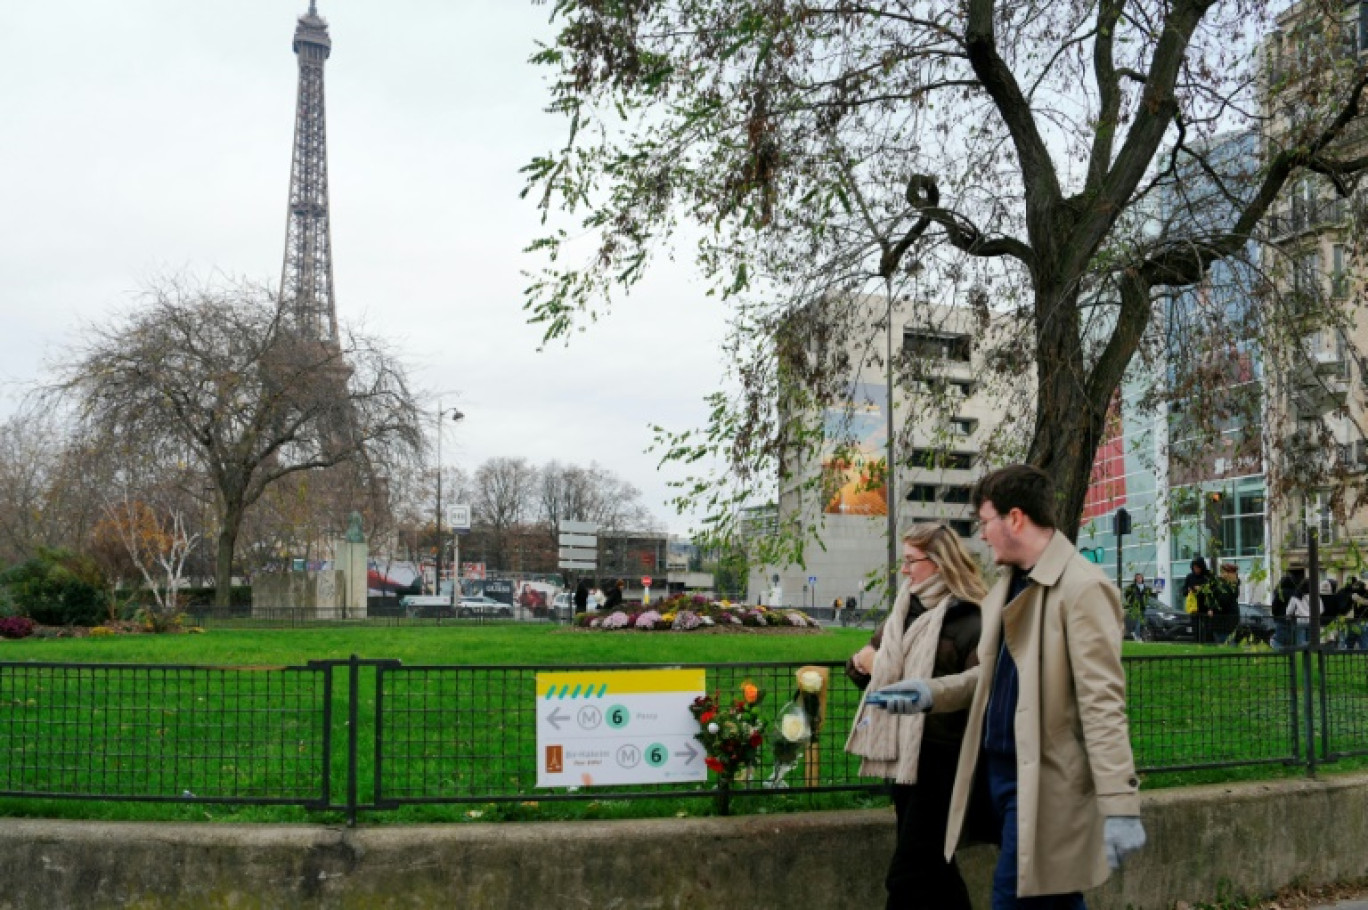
x=1256 y=622
x=473 y=605
x=563 y=605
x=1164 y=624
x=428 y=606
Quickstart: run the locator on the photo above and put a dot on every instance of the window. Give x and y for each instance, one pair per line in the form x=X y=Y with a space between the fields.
x=937 y=346
x=961 y=526
x=936 y=459
x=1339 y=278
x=956 y=494
x=963 y=426
x=922 y=492
x=1306 y=274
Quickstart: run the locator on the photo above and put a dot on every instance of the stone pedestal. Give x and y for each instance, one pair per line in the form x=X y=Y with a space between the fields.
x=351 y=561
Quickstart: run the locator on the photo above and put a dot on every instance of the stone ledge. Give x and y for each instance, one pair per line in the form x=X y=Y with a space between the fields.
x=1204 y=842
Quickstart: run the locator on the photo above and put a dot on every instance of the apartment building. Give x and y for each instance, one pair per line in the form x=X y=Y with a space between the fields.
x=1318 y=404
x=943 y=413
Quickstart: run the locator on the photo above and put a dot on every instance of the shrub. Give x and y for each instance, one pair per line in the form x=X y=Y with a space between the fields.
x=16 y=627
x=56 y=588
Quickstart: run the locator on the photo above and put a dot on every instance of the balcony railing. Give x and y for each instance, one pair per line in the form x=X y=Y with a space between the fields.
x=1305 y=216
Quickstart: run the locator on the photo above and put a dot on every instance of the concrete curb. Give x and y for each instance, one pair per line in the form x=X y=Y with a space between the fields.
x=1206 y=843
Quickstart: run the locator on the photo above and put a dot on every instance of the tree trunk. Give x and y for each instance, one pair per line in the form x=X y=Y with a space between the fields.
x=223 y=562
x=1069 y=424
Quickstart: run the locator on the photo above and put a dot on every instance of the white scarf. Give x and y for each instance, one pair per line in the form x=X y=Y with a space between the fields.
x=890 y=744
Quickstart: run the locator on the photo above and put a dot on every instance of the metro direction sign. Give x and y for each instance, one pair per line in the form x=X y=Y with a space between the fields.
x=602 y=727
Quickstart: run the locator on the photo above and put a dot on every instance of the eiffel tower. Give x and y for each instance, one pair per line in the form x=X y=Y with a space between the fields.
x=306 y=279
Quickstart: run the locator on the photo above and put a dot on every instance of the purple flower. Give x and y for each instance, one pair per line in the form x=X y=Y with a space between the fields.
x=648 y=620
x=686 y=620
x=615 y=620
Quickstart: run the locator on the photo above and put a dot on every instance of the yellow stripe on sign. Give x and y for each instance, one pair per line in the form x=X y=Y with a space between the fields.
x=599 y=683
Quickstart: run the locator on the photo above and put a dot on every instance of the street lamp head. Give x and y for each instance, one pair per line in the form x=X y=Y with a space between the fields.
x=456 y=415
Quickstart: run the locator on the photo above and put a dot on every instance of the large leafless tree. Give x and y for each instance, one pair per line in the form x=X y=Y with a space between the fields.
x=1004 y=153
x=217 y=377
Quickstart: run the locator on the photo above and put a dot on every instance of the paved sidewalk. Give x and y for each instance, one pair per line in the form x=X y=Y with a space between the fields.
x=1352 y=904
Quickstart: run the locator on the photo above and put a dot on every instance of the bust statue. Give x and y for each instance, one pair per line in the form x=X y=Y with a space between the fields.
x=354 y=533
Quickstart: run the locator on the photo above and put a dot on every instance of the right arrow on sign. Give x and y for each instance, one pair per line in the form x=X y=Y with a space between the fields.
x=689 y=753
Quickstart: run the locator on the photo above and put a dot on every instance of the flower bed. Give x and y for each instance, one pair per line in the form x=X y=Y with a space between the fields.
x=683 y=613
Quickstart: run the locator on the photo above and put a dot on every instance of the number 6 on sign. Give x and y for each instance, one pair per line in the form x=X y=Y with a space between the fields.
x=618 y=717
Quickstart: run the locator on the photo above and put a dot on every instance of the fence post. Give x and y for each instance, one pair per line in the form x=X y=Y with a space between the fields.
x=1308 y=704
x=353 y=714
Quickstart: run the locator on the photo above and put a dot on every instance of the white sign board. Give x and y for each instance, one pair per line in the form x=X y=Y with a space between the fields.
x=601 y=727
x=577 y=565
x=578 y=527
x=578 y=540
x=460 y=518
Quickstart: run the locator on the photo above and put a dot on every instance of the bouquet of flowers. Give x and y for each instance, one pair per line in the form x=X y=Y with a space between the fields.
x=731 y=733
x=796 y=726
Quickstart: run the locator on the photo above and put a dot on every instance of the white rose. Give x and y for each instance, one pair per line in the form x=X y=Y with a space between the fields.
x=794 y=727
x=810 y=681
x=713 y=728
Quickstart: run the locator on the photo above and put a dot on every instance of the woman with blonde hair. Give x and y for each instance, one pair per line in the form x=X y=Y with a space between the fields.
x=933 y=630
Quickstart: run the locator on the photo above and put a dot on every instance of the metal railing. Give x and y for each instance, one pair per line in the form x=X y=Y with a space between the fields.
x=364 y=735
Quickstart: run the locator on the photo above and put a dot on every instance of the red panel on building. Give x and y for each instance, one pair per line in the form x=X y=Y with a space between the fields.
x=1107 y=488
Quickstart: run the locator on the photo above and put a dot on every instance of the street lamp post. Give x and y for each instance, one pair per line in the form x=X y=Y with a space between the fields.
x=1313 y=518
x=455 y=415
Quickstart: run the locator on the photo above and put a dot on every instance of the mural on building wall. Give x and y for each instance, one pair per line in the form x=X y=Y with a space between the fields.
x=853 y=462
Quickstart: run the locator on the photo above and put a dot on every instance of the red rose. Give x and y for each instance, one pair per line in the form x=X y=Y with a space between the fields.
x=713 y=763
x=756 y=739
x=707 y=716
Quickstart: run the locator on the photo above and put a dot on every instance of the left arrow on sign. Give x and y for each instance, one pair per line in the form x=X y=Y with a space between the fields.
x=556 y=718
x=689 y=753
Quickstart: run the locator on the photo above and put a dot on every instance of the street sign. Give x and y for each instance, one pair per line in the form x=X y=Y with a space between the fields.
x=646 y=581
x=460 y=518
x=578 y=546
x=602 y=727
x=577 y=527
x=812 y=579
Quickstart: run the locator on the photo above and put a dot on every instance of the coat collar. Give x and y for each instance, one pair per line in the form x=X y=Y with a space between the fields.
x=1053 y=560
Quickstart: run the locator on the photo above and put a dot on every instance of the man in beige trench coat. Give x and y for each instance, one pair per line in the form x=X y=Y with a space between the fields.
x=1047 y=707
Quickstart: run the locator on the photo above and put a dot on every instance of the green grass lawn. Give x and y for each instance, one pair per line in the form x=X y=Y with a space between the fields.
x=437 y=719
x=481 y=644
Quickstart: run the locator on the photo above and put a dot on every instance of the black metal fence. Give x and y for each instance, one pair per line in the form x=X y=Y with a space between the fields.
x=360 y=735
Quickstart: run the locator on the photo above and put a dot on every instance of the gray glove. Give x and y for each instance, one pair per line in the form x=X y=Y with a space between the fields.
x=1123 y=835
x=911 y=696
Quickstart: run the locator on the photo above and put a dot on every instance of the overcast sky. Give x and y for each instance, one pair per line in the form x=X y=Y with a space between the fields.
x=152 y=136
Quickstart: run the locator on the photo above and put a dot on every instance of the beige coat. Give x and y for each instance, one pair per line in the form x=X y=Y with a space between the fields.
x=1074 y=758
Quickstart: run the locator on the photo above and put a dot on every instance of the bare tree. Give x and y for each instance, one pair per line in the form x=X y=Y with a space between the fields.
x=503 y=494
x=1002 y=152
x=49 y=484
x=217 y=376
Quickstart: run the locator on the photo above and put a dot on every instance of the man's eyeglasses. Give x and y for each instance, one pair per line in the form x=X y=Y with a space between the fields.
x=985 y=522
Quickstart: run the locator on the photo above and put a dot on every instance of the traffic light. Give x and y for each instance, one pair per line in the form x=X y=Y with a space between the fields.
x=1121 y=523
